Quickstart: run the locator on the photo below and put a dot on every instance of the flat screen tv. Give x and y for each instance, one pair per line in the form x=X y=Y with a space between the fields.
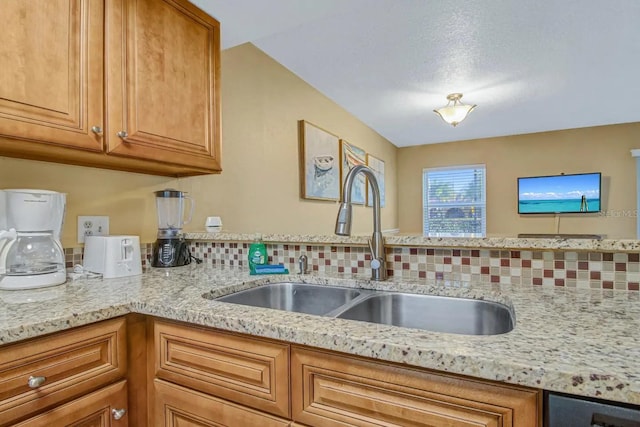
x=575 y=193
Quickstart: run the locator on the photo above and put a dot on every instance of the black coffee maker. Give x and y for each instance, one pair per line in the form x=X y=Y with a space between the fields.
x=170 y=249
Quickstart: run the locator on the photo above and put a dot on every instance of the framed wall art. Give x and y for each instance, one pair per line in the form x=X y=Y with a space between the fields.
x=319 y=163
x=351 y=156
x=377 y=166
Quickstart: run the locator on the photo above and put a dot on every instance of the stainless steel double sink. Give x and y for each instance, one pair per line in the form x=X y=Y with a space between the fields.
x=428 y=312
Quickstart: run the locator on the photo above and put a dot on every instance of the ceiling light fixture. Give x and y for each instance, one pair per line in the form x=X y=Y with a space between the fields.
x=454 y=114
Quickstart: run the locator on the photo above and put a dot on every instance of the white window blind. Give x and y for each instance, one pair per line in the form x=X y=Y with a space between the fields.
x=454 y=201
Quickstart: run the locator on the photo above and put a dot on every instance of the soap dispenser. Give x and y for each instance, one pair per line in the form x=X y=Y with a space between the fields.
x=257 y=253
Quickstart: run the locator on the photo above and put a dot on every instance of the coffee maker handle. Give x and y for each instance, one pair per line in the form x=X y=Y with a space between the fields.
x=192 y=205
x=9 y=234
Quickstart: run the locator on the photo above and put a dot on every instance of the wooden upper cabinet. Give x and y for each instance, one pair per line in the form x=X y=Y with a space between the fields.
x=52 y=71
x=77 y=74
x=163 y=66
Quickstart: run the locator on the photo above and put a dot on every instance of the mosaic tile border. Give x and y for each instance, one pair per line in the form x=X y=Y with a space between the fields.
x=596 y=270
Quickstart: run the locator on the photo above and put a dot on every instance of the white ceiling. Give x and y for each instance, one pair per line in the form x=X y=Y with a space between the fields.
x=529 y=65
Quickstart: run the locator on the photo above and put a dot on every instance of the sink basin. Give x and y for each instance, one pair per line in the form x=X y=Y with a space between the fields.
x=433 y=313
x=428 y=312
x=298 y=297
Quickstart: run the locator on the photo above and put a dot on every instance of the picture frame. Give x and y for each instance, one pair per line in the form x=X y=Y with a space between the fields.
x=351 y=156
x=377 y=166
x=319 y=163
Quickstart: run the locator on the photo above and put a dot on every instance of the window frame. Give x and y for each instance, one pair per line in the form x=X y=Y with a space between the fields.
x=426 y=206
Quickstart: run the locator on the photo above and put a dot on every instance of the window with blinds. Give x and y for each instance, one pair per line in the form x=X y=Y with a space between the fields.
x=454 y=201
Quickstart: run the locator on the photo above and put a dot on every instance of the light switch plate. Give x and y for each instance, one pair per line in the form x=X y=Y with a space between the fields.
x=92 y=226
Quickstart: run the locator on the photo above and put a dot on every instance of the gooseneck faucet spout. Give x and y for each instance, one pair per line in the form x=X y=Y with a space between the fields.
x=343 y=221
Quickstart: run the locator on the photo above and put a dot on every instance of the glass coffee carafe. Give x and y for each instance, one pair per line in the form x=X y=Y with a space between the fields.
x=31 y=255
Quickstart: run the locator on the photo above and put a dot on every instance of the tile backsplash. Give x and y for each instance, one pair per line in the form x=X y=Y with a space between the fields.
x=598 y=270
x=532 y=267
x=73 y=256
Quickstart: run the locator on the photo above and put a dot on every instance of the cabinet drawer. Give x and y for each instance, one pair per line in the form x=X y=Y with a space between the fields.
x=72 y=363
x=94 y=409
x=334 y=390
x=179 y=406
x=249 y=371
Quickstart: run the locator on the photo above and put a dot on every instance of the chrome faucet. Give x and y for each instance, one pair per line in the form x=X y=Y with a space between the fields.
x=343 y=221
x=303 y=263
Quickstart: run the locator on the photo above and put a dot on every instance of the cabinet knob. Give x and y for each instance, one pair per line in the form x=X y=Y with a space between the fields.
x=35 y=382
x=118 y=413
x=123 y=134
x=97 y=130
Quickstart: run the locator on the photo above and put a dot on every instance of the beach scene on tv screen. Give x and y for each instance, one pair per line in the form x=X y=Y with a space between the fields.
x=561 y=193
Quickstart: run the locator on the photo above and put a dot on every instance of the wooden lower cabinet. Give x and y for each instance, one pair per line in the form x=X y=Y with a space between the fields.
x=39 y=374
x=176 y=406
x=156 y=372
x=239 y=368
x=205 y=377
x=335 y=390
x=99 y=409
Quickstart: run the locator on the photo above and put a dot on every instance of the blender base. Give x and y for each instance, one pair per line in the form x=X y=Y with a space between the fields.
x=173 y=252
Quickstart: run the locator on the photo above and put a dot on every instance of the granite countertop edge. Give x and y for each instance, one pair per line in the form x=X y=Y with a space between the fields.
x=496 y=243
x=553 y=348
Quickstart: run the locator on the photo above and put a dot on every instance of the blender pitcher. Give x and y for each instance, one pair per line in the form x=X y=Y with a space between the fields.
x=170 y=204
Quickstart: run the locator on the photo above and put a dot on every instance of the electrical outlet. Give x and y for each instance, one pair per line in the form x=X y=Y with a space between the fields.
x=92 y=226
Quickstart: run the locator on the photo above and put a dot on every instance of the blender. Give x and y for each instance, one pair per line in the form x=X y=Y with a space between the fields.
x=31 y=254
x=170 y=249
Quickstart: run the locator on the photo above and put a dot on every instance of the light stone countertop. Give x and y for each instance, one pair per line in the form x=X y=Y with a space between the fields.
x=497 y=243
x=577 y=341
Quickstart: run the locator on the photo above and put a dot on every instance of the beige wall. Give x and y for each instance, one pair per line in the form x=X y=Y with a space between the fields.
x=258 y=190
x=126 y=197
x=603 y=149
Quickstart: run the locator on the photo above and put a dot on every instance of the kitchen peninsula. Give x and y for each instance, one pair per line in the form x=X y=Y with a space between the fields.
x=578 y=341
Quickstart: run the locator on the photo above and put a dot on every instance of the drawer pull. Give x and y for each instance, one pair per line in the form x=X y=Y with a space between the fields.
x=123 y=134
x=118 y=413
x=97 y=130
x=35 y=382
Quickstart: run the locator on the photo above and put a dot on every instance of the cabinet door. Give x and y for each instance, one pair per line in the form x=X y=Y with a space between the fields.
x=246 y=370
x=162 y=84
x=177 y=406
x=65 y=365
x=94 y=410
x=334 y=390
x=51 y=78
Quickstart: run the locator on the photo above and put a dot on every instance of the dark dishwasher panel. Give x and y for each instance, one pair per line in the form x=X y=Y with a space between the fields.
x=563 y=410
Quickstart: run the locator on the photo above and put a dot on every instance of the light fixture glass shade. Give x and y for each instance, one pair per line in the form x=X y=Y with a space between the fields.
x=454 y=114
